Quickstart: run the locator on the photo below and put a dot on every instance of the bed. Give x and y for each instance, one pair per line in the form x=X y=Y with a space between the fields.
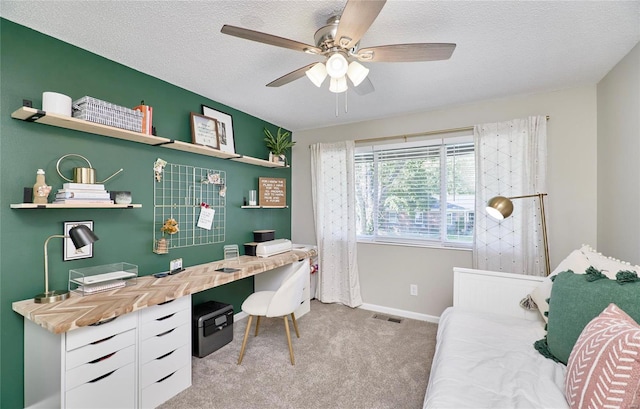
x=486 y=360
x=489 y=361
x=485 y=355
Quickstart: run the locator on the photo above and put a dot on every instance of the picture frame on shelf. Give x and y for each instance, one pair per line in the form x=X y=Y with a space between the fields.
x=225 y=128
x=204 y=131
x=69 y=251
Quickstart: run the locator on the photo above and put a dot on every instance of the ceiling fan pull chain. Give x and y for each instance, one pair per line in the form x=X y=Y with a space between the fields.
x=337 y=105
x=346 y=107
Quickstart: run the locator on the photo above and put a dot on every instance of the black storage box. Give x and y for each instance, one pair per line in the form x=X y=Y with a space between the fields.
x=212 y=326
x=263 y=235
x=250 y=249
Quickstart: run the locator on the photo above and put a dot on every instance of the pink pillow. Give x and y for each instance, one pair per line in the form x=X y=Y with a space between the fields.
x=604 y=366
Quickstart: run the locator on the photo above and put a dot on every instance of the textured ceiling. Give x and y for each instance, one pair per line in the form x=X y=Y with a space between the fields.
x=503 y=48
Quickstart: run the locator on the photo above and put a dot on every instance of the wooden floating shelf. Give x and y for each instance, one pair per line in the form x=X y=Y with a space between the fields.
x=66 y=122
x=74 y=206
x=259 y=162
x=264 y=207
x=200 y=150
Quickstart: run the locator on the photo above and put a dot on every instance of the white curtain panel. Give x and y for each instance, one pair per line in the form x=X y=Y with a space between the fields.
x=511 y=159
x=333 y=187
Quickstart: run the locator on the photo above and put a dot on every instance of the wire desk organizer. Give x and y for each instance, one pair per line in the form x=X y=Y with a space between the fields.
x=182 y=193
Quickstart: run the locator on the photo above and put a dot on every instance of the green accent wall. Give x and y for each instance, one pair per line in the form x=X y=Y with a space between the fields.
x=32 y=63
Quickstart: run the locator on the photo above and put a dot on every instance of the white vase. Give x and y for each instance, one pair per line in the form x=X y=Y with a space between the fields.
x=277 y=158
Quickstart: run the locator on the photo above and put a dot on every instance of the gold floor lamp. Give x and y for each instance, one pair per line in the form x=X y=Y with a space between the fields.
x=81 y=236
x=501 y=207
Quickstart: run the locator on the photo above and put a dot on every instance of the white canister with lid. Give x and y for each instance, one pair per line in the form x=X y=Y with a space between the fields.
x=53 y=102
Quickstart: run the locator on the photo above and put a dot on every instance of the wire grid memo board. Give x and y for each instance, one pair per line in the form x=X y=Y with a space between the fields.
x=180 y=194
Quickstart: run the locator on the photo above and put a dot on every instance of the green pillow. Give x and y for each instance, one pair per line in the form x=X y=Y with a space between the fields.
x=575 y=300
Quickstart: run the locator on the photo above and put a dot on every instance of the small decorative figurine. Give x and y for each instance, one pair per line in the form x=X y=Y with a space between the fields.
x=40 y=189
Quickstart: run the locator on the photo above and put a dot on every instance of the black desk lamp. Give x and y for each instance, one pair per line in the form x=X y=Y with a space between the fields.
x=81 y=236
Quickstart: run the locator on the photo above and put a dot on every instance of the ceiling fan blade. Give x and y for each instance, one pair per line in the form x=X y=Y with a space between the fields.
x=292 y=76
x=407 y=52
x=357 y=17
x=268 y=39
x=365 y=87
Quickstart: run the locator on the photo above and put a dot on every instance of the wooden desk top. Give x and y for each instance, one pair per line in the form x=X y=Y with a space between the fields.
x=78 y=311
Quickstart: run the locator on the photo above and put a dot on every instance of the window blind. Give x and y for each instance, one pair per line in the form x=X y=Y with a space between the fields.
x=400 y=191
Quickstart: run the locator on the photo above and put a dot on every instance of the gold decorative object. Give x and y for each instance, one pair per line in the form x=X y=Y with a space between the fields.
x=170 y=226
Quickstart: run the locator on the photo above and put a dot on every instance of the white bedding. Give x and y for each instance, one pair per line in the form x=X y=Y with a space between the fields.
x=488 y=361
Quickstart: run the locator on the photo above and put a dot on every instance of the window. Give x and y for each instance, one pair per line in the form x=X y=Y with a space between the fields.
x=399 y=191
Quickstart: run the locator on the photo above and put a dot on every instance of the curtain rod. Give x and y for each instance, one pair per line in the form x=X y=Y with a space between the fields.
x=413 y=135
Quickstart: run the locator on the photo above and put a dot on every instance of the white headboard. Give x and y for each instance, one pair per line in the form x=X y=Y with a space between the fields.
x=495 y=292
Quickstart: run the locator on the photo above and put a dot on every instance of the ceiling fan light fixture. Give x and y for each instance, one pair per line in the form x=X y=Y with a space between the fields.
x=317 y=74
x=357 y=73
x=338 y=85
x=337 y=66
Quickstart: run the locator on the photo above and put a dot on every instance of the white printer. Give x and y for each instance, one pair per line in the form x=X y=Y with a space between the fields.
x=273 y=247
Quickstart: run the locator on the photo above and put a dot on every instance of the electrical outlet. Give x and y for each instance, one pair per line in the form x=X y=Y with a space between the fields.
x=413 y=289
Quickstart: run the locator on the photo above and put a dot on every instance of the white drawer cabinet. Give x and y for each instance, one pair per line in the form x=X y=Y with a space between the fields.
x=91 y=367
x=100 y=349
x=165 y=351
x=140 y=359
x=97 y=333
x=164 y=389
x=113 y=390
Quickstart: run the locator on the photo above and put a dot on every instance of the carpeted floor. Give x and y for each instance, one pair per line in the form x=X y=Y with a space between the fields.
x=344 y=357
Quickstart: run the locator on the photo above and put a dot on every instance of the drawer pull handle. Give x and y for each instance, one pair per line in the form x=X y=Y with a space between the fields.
x=165 y=333
x=165 y=317
x=166 y=302
x=95 y=324
x=102 y=340
x=95 y=361
x=165 y=355
x=166 y=377
x=104 y=376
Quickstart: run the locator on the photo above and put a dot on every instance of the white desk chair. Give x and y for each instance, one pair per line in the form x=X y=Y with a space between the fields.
x=278 y=303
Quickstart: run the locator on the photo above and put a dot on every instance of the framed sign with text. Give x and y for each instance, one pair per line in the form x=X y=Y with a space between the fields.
x=272 y=192
x=204 y=131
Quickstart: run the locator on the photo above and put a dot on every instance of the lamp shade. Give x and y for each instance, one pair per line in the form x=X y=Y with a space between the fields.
x=357 y=73
x=499 y=207
x=338 y=85
x=317 y=74
x=337 y=66
x=82 y=235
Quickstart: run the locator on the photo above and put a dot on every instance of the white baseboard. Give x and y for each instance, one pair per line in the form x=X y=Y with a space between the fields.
x=400 y=313
x=377 y=308
x=239 y=316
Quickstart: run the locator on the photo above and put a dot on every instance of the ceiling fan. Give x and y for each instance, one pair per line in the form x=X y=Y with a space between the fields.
x=339 y=42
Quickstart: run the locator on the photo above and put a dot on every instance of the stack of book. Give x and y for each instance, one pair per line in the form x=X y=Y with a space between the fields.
x=147 y=117
x=82 y=193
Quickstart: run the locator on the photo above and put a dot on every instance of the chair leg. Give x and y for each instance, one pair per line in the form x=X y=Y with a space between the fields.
x=244 y=341
x=295 y=324
x=286 y=328
x=257 y=325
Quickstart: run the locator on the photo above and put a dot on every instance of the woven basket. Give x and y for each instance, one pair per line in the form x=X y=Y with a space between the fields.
x=105 y=113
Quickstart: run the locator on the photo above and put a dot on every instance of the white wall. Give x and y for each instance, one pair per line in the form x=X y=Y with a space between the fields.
x=618 y=160
x=386 y=271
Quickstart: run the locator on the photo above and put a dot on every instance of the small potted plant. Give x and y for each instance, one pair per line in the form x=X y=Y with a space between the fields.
x=278 y=144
